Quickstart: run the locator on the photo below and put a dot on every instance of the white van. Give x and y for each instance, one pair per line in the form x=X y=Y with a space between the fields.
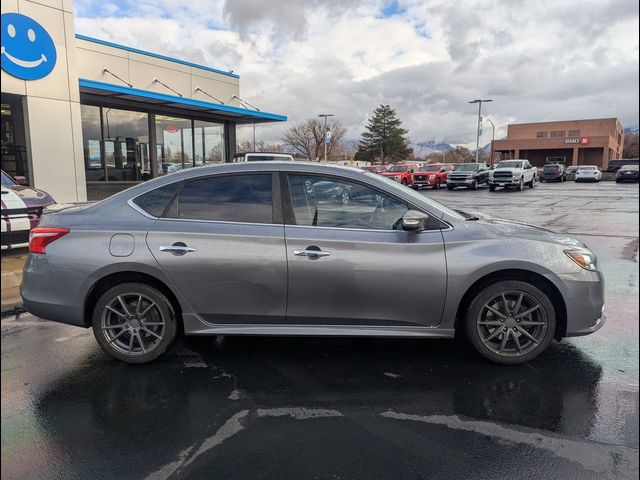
x=261 y=157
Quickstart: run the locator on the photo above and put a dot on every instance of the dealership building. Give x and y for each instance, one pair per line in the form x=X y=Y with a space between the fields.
x=572 y=142
x=83 y=118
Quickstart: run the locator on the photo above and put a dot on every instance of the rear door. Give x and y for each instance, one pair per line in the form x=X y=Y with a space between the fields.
x=350 y=264
x=222 y=245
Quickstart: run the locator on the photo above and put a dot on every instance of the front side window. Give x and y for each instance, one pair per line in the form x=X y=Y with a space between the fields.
x=397 y=168
x=331 y=202
x=232 y=198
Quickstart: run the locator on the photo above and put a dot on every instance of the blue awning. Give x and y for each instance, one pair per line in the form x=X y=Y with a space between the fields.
x=236 y=114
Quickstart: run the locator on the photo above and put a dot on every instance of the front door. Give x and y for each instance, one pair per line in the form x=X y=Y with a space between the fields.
x=351 y=264
x=223 y=249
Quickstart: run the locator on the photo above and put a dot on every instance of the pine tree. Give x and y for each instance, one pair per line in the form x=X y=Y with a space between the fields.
x=384 y=138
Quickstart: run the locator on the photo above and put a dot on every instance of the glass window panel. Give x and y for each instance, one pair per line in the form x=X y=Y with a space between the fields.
x=92 y=143
x=329 y=202
x=155 y=201
x=126 y=144
x=235 y=198
x=175 y=147
x=209 y=142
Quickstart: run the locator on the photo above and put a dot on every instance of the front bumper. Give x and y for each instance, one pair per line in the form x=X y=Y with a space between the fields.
x=583 y=293
x=460 y=181
x=502 y=182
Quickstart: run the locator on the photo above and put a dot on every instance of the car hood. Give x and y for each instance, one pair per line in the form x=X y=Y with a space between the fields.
x=512 y=228
x=507 y=170
x=31 y=197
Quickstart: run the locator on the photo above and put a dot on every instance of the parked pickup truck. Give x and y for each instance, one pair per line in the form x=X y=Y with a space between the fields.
x=513 y=173
x=468 y=175
x=432 y=175
x=401 y=173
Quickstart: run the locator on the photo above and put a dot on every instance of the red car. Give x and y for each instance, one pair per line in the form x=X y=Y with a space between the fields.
x=432 y=175
x=401 y=172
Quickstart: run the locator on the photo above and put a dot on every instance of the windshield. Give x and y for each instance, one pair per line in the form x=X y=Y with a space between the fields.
x=7 y=181
x=397 y=168
x=587 y=168
x=551 y=168
x=510 y=164
x=465 y=167
x=396 y=187
x=431 y=168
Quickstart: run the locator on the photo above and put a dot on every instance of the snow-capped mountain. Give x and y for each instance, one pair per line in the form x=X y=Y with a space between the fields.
x=631 y=130
x=429 y=148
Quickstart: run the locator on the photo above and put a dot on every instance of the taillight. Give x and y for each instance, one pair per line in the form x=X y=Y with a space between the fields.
x=40 y=237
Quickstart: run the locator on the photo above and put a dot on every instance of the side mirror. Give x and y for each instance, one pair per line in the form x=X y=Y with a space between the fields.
x=20 y=180
x=411 y=170
x=414 y=221
x=527 y=167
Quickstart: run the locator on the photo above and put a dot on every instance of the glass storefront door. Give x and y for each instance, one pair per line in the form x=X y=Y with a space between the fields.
x=13 y=145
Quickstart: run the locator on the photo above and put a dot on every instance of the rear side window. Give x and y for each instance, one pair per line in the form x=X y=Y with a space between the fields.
x=155 y=201
x=232 y=198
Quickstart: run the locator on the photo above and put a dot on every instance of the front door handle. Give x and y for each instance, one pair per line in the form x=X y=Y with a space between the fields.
x=177 y=248
x=311 y=253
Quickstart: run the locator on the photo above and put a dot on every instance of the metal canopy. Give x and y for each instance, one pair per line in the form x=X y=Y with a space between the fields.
x=176 y=104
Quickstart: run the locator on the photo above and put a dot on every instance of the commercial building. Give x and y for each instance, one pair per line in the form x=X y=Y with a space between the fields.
x=572 y=142
x=83 y=118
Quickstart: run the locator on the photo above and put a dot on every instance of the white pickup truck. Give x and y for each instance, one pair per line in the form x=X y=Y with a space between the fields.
x=513 y=173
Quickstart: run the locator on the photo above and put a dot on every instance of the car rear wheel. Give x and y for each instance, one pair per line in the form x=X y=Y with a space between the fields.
x=345 y=197
x=510 y=322
x=134 y=322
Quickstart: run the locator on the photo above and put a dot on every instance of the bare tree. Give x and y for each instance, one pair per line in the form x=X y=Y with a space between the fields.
x=260 y=146
x=307 y=138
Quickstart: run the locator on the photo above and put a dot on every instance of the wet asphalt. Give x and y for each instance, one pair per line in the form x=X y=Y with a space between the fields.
x=293 y=408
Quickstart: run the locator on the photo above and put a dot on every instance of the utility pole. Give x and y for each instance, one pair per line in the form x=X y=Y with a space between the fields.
x=479 y=102
x=493 y=138
x=325 y=115
x=254 y=137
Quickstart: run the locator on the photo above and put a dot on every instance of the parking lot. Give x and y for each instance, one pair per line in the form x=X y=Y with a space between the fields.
x=244 y=407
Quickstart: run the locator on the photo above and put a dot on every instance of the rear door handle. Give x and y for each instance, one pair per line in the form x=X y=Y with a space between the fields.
x=178 y=248
x=311 y=253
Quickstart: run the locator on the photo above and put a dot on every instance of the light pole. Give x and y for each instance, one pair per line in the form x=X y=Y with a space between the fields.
x=325 y=115
x=479 y=102
x=493 y=137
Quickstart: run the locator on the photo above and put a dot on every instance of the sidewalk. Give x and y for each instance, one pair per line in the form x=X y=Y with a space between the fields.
x=12 y=263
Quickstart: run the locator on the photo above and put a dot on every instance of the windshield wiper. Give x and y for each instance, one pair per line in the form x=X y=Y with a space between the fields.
x=468 y=217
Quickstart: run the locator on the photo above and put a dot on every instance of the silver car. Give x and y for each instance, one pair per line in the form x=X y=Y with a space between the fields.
x=257 y=249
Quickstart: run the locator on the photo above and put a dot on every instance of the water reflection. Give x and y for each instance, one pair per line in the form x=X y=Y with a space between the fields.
x=147 y=415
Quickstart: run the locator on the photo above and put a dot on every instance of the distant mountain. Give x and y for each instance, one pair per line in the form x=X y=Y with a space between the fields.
x=631 y=130
x=429 y=148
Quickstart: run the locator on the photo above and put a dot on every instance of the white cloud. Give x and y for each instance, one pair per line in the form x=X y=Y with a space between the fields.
x=538 y=60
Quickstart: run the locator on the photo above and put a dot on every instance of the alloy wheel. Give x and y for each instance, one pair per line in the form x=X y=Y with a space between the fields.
x=133 y=324
x=512 y=323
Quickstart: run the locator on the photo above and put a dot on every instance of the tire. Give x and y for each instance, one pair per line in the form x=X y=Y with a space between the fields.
x=520 y=186
x=438 y=184
x=492 y=188
x=345 y=197
x=404 y=182
x=450 y=187
x=532 y=332
x=532 y=183
x=137 y=334
x=474 y=185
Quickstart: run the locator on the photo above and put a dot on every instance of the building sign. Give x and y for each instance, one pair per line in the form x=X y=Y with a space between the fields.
x=575 y=141
x=171 y=129
x=27 y=50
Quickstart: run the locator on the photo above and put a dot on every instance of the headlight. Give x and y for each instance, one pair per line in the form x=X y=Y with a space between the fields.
x=585 y=259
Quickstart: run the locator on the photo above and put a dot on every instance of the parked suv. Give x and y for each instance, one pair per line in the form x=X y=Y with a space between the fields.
x=614 y=165
x=554 y=172
x=468 y=175
x=513 y=173
x=401 y=172
x=432 y=175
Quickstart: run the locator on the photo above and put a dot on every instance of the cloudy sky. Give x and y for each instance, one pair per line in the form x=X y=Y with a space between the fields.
x=538 y=59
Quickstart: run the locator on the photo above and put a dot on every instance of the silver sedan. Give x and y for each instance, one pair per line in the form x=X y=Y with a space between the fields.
x=270 y=249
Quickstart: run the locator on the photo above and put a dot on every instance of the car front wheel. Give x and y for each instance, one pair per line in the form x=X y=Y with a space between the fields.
x=510 y=322
x=134 y=322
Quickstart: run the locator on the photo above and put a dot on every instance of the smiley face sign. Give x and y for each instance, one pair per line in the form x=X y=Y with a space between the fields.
x=27 y=50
